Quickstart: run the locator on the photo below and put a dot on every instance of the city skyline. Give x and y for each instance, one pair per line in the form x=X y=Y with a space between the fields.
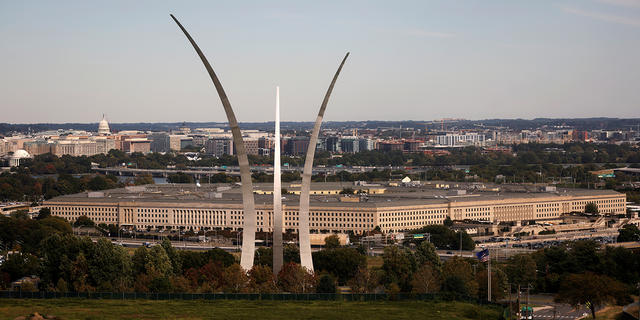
x=69 y=61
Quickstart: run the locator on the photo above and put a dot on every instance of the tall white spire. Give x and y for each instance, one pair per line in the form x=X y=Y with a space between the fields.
x=278 y=256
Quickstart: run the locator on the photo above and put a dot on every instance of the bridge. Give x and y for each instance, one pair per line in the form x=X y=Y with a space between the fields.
x=203 y=172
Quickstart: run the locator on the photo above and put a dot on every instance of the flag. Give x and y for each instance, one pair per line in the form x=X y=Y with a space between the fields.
x=483 y=255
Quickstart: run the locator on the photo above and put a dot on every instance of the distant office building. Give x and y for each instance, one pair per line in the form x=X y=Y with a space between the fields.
x=219 y=147
x=412 y=146
x=297 y=145
x=160 y=142
x=76 y=148
x=120 y=138
x=387 y=146
x=321 y=144
x=104 y=144
x=136 y=145
x=198 y=139
x=349 y=144
x=175 y=142
x=366 y=144
x=452 y=140
x=185 y=142
x=40 y=146
x=251 y=146
x=333 y=144
x=266 y=146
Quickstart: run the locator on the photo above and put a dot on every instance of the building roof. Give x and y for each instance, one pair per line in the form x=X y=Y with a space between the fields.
x=226 y=194
x=20 y=154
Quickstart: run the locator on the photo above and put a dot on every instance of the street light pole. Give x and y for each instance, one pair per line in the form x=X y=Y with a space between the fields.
x=461 y=242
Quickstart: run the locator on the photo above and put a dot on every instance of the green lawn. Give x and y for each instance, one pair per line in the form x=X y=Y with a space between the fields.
x=242 y=309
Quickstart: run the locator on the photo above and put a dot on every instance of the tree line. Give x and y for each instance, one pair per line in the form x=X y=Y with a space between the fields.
x=66 y=262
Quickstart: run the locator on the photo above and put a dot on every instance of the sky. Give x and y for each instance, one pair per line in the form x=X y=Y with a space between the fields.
x=73 y=61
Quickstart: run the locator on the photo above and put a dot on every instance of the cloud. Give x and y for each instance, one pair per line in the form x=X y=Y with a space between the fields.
x=424 y=33
x=602 y=16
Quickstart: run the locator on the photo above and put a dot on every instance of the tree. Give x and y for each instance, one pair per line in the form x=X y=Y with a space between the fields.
x=55 y=224
x=364 y=281
x=621 y=264
x=457 y=266
x=19 y=265
x=84 y=221
x=108 y=263
x=236 y=279
x=59 y=252
x=399 y=266
x=467 y=241
x=342 y=263
x=426 y=253
x=628 y=233
x=179 y=177
x=521 y=268
x=176 y=260
x=262 y=280
x=144 y=178
x=332 y=242
x=588 y=287
x=139 y=260
x=591 y=208
x=327 y=284
x=498 y=283
x=585 y=255
x=291 y=253
x=263 y=256
x=426 y=280
x=347 y=190
x=44 y=212
x=159 y=259
x=455 y=284
x=294 y=278
x=448 y=222
x=441 y=236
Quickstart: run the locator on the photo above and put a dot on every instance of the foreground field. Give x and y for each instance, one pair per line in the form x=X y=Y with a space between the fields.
x=241 y=309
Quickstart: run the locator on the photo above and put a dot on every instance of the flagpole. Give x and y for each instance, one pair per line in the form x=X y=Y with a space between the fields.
x=489 y=276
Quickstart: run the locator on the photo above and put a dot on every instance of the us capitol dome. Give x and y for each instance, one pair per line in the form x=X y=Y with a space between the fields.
x=103 y=127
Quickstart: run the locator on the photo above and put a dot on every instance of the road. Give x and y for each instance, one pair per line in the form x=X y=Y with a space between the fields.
x=545 y=308
x=562 y=311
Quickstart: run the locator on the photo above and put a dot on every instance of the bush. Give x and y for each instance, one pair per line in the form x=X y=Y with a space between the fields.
x=455 y=284
x=326 y=285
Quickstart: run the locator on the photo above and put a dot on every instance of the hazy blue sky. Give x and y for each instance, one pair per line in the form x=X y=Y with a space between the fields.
x=72 y=61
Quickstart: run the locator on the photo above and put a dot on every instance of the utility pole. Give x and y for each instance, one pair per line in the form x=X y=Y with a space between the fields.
x=510 y=306
x=528 y=313
x=460 y=242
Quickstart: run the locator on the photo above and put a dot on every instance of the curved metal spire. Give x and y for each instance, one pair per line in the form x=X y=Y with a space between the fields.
x=306 y=259
x=249 y=228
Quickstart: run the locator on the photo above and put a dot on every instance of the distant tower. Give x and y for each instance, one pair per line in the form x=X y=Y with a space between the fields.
x=103 y=127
